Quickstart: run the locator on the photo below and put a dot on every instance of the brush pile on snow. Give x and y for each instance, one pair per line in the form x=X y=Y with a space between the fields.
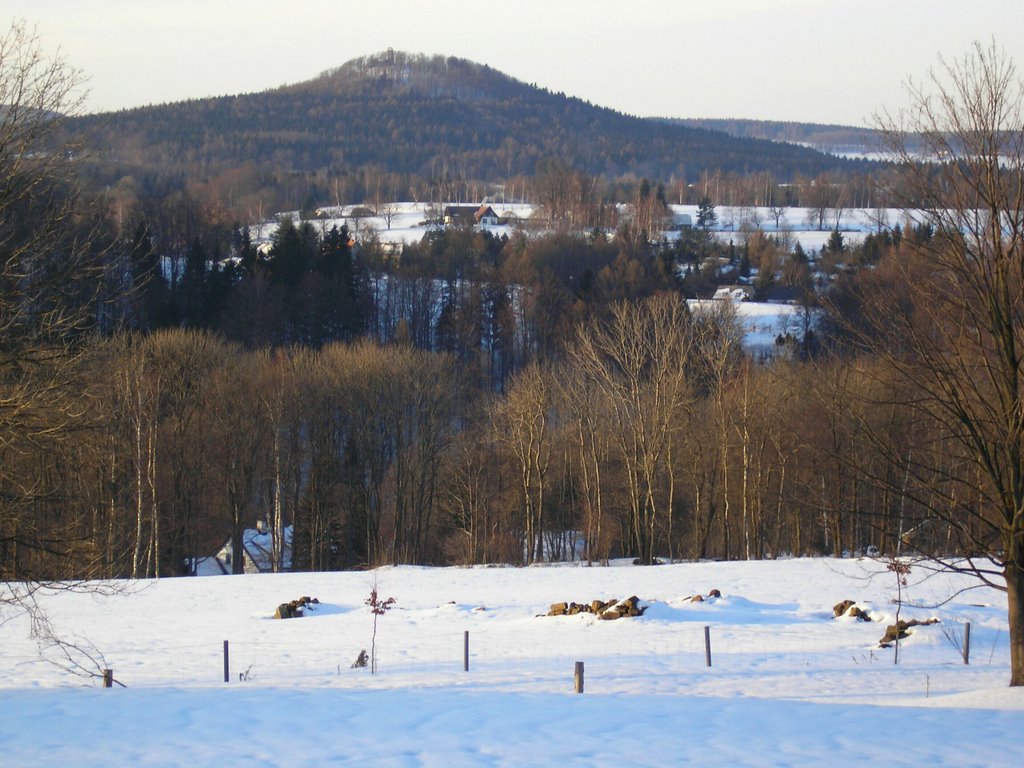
x=898 y=631
x=850 y=608
x=296 y=608
x=699 y=598
x=610 y=610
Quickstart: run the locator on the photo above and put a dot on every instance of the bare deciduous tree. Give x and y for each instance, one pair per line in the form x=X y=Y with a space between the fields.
x=50 y=268
x=48 y=274
x=238 y=436
x=950 y=327
x=776 y=212
x=587 y=428
x=720 y=351
x=522 y=422
x=640 y=363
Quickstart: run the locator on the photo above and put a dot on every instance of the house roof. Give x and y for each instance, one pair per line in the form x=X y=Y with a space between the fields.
x=783 y=294
x=734 y=292
x=256 y=548
x=467 y=212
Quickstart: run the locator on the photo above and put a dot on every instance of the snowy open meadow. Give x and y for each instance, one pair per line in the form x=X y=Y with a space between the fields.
x=408 y=222
x=788 y=684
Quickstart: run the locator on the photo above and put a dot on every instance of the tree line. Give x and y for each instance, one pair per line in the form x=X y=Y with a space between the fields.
x=652 y=434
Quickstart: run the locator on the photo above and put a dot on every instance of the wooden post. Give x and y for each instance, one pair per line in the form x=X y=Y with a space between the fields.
x=967 y=643
x=227 y=666
x=465 y=651
x=108 y=678
x=707 y=646
x=578 y=677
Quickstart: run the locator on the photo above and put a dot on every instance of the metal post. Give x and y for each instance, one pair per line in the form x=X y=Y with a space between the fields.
x=465 y=651
x=707 y=646
x=967 y=643
x=227 y=666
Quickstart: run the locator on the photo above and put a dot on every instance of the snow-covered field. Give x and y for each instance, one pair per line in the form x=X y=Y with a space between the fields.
x=409 y=223
x=788 y=685
x=762 y=323
x=795 y=224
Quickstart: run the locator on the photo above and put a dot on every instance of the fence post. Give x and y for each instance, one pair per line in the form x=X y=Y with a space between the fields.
x=227 y=666
x=707 y=646
x=578 y=677
x=465 y=651
x=967 y=643
x=108 y=678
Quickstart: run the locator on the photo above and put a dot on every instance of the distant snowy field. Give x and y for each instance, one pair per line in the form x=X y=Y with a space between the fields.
x=762 y=323
x=797 y=224
x=409 y=223
x=788 y=685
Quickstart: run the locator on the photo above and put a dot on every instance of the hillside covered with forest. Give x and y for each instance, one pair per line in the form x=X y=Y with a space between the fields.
x=429 y=117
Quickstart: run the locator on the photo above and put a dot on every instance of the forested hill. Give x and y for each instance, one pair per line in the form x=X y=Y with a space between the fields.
x=429 y=116
x=820 y=136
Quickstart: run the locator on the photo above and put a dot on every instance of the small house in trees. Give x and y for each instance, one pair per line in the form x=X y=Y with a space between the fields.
x=682 y=221
x=734 y=292
x=459 y=215
x=256 y=550
x=392 y=250
x=486 y=215
x=783 y=294
x=469 y=215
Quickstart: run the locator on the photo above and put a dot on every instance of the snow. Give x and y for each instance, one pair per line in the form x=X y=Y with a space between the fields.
x=409 y=222
x=789 y=685
x=257 y=553
x=761 y=323
x=797 y=224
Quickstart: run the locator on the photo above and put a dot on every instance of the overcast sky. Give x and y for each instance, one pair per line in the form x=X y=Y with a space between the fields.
x=808 y=60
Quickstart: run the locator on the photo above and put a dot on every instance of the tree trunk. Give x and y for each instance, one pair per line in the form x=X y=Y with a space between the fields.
x=1014 y=574
x=139 y=504
x=154 y=508
x=237 y=545
x=726 y=541
x=277 y=515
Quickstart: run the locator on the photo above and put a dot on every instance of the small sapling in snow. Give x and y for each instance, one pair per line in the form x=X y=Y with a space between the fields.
x=378 y=607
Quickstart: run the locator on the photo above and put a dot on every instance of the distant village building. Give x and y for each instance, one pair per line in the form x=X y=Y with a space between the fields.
x=469 y=215
x=783 y=294
x=392 y=249
x=734 y=292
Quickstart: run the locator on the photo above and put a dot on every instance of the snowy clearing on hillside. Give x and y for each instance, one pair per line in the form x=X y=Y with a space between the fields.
x=789 y=684
x=763 y=323
x=409 y=223
x=796 y=224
